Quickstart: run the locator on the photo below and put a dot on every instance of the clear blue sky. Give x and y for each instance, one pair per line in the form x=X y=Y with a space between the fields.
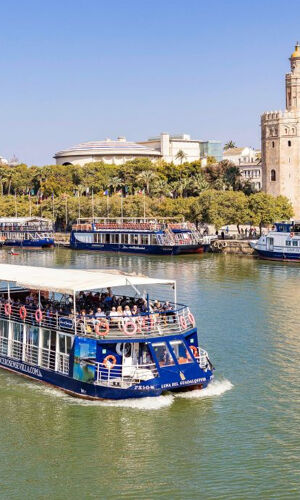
x=74 y=70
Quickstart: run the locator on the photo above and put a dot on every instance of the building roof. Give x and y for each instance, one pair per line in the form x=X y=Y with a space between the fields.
x=70 y=281
x=233 y=151
x=296 y=52
x=108 y=147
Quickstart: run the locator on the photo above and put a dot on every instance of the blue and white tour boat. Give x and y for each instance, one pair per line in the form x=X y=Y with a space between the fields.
x=145 y=236
x=27 y=232
x=281 y=243
x=82 y=332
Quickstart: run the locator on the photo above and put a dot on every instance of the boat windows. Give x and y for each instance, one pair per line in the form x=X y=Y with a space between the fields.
x=107 y=238
x=124 y=239
x=295 y=243
x=153 y=239
x=295 y=228
x=288 y=243
x=135 y=239
x=181 y=352
x=65 y=343
x=17 y=340
x=144 y=239
x=4 y=329
x=163 y=354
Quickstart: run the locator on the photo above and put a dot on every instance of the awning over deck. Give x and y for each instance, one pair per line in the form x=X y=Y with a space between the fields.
x=70 y=281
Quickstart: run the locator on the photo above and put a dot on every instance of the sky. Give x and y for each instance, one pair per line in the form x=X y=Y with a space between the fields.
x=74 y=70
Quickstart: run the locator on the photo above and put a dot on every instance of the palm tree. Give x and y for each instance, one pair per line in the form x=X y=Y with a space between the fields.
x=230 y=144
x=145 y=178
x=114 y=183
x=198 y=183
x=180 y=155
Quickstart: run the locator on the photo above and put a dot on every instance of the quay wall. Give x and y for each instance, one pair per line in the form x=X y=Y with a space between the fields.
x=240 y=247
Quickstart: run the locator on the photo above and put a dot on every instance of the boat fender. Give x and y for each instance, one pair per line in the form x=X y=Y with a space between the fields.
x=110 y=361
x=7 y=309
x=224 y=244
x=38 y=315
x=129 y=327
x=194 y=350
x=23 y=312
x=183 y=322
x=191 y=319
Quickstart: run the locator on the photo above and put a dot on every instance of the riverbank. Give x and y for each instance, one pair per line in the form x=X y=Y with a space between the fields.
x=237 y=247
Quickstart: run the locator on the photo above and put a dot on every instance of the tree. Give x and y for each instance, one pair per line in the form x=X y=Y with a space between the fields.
x=180 y=155
x=266 y=209
x=115 y=183
x=230 y=144
x=145 y=178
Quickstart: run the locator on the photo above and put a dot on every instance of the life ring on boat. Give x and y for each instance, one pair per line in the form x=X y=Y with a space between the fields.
x=191 y=319
x=194 y=350
x=38 y=315
x=7 y=309
x=183 y=322
x=292 y=235
x=110 y=361
x=23 y=312
x=104 y=324
x=129 y=331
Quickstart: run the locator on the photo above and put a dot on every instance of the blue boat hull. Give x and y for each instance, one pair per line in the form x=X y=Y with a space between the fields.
x=141 y=249
x=193 y=377
x=42 y=243
x=282 y=256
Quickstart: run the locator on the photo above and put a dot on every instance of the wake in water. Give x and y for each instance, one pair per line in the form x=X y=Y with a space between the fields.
x=215 y=388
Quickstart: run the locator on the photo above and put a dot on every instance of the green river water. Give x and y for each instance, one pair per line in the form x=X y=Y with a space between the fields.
x=238 y=439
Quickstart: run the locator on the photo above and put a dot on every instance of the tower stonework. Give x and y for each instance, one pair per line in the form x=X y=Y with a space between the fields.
x=280 y=141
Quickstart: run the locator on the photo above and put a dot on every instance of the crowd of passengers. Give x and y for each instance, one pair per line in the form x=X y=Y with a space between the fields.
x=91 y=308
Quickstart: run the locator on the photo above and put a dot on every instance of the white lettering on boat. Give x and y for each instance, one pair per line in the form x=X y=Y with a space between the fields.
x=11 y=363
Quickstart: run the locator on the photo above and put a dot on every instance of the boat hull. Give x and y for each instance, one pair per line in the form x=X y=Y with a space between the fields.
x=140 y=249
x=84 y=390
x=279 y=256
x=42 y=243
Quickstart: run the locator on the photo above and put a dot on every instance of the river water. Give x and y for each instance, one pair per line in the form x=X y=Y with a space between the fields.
x=238 y=439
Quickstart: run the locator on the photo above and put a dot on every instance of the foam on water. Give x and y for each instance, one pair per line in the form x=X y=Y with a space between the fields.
x=215 y=388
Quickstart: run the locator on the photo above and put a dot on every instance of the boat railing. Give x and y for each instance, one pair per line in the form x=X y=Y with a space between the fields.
x=34 y=355
x=123 y=376
x=176 y=320
x=201 y=357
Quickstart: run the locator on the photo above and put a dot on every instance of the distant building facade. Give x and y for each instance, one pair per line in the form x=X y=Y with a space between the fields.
x=241 y=156
x=252 y=172
x=3 y=161
x=280 y=139
x=194 y=149
x=115 y=152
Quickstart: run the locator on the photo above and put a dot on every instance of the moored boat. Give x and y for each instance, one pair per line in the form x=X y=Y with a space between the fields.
x=63 y=327
x=143 y=236
x=26 y=232
x=281 y=243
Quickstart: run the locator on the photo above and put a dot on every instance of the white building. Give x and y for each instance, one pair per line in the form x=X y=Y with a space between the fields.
x=193 y=149
x=3 y=161
x=252 y=172
x=241 y=156
x=113 y=152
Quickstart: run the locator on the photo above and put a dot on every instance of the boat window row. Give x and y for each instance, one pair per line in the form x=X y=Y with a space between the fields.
x=125 y=239
x=290 y=243
x=36 y=346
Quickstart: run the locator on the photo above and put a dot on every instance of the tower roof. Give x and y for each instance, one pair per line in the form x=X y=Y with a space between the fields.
x=296 y=52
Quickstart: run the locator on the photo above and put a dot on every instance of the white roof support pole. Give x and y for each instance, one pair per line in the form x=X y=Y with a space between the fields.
x=175 y=293
x=132 y=285
x=8 y=292
x=74 y=312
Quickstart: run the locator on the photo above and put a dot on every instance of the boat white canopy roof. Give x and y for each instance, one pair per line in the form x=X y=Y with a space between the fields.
x=70 y=281
x=23 y=220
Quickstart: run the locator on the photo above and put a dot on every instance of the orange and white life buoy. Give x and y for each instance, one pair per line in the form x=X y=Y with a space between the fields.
x=23 y=312
x=292 y=235
x=194 y=350
x=38 y=315
x=102 y=324
x=110 y=361
x=7 y=309
x=191 y=319
x=183 y=322
x=130 y=327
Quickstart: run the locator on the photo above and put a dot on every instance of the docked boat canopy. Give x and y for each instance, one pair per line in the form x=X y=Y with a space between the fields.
x=70 y=281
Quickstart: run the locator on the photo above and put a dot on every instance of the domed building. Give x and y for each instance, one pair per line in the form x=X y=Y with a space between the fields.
x=117 y=152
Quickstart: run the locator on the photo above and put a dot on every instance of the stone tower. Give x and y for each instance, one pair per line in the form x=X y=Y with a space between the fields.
x=280 y=141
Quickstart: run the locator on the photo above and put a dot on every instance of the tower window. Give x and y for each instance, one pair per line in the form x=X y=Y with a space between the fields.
x=273 y=144
x=286 y=130
x=289 y=143
x=273 y=175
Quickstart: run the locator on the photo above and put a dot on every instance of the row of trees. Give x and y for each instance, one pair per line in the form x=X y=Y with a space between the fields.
x=156 y=179
x=211 y=206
